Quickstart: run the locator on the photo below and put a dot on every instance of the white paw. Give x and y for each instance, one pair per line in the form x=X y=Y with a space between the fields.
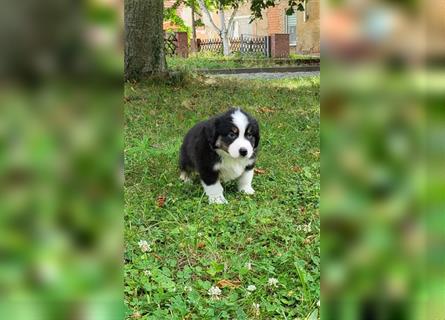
x=185 y=177
x=247 y=190
x=217 y=199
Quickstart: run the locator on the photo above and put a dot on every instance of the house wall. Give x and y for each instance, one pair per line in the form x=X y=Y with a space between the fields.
x=275 y=18
x=308 y=32
x=168 y=3
x=259 y=26
x=205 y=32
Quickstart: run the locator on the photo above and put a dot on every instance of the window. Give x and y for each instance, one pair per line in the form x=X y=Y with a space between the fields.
x=241 y=26
x=291 y=28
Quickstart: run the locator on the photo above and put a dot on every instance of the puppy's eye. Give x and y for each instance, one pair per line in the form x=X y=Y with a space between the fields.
x=249 y=135
x=231 y=135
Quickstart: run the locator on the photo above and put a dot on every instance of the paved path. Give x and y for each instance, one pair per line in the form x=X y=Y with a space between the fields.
x=265 y=75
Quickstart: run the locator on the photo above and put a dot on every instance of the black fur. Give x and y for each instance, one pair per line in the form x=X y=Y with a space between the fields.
x=198 y=148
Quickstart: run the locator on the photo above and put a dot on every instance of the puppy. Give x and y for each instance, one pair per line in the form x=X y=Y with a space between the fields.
x=222 y=148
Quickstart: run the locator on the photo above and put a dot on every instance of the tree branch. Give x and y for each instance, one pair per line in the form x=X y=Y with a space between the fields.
x=176 y=4
x=222 y=18
x=229 y=26
x=207 y=13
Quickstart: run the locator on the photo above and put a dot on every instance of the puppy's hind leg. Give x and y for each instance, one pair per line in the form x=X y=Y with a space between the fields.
x=185 y=176
x=185 y=166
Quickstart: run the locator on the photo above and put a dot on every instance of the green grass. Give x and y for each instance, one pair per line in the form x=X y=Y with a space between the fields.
x=208 y=60
x=195 y=245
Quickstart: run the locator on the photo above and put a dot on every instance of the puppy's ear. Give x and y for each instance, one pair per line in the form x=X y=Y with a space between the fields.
x=211 y=132
x=256 y=133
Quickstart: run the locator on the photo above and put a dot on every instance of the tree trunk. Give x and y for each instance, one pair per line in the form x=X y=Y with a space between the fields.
x=144 y=39
x=194 y=48
x=224 y=32
x=226 y=43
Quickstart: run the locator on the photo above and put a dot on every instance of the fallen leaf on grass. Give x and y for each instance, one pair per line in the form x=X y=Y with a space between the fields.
x=160 y=201
x=157 y=256
x=201 y=245
x=188 y=104
x=309 y=239
x=265 y=110
x=259 y=171
x=228 y=283
x=296 y=169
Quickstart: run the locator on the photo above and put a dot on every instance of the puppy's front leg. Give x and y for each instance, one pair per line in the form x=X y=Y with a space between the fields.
x=245 y=182
x=214 y=192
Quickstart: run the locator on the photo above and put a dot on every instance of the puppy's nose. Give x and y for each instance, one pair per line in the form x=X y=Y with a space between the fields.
x=243 y=152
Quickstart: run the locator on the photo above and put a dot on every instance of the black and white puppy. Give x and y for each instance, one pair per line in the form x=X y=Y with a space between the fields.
x=222 y=148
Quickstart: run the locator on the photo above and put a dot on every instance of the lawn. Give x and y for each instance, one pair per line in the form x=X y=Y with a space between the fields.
x=209 y=60
x=261 y=251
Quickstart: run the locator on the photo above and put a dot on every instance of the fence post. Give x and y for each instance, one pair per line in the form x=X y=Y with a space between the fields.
x=198 y=45
x=182 y=48
x=241 y=48
x=266 y=46
x=279 y=45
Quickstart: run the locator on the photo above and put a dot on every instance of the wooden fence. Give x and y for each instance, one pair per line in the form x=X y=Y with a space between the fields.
x=170 y=43
x=215 y=45
x=244 y=44
x=255 y=44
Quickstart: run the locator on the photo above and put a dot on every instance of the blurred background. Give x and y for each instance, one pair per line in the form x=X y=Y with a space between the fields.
x=61 y=169
x=382 y=142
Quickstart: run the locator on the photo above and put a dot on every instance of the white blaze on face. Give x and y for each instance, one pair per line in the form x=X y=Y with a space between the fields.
x=241 y=122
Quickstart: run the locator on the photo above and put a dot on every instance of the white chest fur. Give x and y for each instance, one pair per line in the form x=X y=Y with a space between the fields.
x=230 y=168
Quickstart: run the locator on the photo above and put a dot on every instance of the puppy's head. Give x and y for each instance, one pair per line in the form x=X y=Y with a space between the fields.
x=236 y=133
